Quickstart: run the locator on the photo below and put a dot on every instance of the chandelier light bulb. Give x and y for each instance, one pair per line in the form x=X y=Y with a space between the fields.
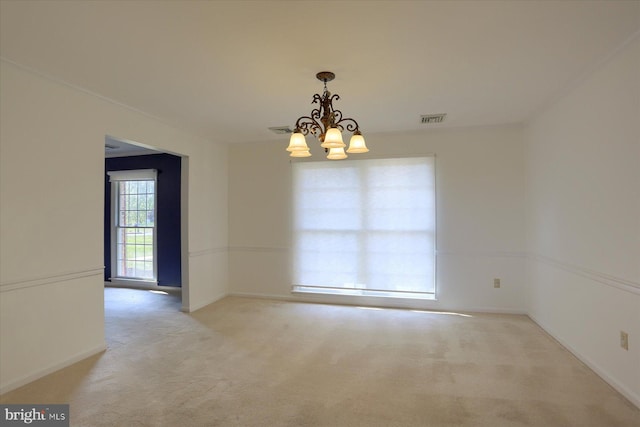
x=297 y=142
x=336 y=153
x=356 y=144
x=333 y=139
x=300 y=153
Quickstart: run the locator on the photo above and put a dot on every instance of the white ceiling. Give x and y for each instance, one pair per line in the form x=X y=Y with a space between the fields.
x=228 y=70
x=116 y=148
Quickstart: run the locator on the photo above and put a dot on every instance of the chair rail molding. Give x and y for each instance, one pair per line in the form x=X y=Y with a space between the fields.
x=596 y=276
x=29 y=282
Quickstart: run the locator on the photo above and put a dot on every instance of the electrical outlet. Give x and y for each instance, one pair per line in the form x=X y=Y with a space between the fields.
x=496 y=283
x=624 y=340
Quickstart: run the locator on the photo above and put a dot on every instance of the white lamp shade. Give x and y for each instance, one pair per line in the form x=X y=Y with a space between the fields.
x=337 y=153
x=333 y=139
x=297 y=143
x=300 y=153
x=356 y=144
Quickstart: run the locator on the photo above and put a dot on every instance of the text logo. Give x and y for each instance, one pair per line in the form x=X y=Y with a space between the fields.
x=34 y=415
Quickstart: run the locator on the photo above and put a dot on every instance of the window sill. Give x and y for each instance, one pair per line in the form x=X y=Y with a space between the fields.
x=316 y=290
x=122 y=281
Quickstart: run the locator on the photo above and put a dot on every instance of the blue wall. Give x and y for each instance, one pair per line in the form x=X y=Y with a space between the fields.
x=167 y=211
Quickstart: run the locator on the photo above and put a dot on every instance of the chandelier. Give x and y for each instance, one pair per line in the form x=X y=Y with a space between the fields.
x=326 y=124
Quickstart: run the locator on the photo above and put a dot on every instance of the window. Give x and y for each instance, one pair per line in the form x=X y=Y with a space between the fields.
x=133 y=225
x=365 y=227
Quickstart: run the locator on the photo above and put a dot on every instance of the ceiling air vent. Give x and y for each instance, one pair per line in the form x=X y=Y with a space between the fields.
x=281 y=130
x=432 y=118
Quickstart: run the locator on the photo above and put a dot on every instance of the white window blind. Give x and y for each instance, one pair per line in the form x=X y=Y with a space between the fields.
x=132 y=175
x=365 y=227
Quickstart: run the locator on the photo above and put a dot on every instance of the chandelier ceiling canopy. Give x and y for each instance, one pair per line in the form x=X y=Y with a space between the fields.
x=326 y=124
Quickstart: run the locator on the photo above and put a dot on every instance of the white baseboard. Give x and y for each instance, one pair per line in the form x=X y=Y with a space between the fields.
x=125 y=283
x=147 y=286
x=602 y=373
x=192 y=308
x=12 y=385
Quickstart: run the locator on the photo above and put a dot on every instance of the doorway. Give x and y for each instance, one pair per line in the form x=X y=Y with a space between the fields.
x=145 y=217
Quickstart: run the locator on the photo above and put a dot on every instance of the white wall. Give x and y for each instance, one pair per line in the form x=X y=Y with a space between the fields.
x=51 y=208
x=583 y=227
x=480 y=212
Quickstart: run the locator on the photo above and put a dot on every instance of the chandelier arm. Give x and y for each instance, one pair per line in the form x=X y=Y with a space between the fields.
x=306 y=125
x=333 y=116
x=316 y=113
x=349 y=124
x=337 y=118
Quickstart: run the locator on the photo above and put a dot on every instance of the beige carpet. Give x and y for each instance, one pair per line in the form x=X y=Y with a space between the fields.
x=248 y=362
